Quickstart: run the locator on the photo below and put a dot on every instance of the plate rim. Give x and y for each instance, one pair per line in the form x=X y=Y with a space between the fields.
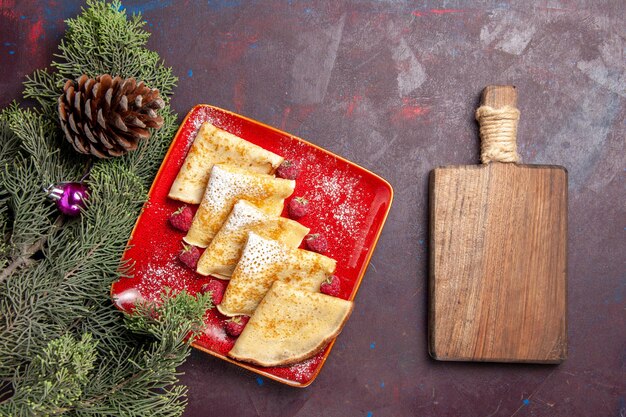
x=358 y=281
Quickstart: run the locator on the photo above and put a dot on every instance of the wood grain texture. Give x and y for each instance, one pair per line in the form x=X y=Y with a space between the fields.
x=498 y=263
x=498 y=96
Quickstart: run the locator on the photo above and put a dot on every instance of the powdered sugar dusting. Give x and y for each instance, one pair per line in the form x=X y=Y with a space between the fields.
x=224 y=186
x=259 y=254
x=222 y=120
x=335 y=192
x=228 y=183
x=339 y=204
x=216 y=332
x=196 y=125
x=304 y=370
x=158 y=276
x=243 y=214
x=190 y=136
x=348 y=216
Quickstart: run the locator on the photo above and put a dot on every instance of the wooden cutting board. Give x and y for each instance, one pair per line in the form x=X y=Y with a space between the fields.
x=498 y=250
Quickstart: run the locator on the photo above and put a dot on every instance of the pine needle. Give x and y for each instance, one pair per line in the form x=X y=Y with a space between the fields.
x=64 y=349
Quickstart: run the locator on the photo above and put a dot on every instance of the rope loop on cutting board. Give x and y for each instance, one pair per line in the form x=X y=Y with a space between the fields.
x=498 y=134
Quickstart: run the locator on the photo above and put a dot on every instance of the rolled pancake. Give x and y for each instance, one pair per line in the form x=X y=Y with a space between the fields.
x=264 y=261
x=227 y=185
x=213 y=145
x=289 y=326
x=221 y=256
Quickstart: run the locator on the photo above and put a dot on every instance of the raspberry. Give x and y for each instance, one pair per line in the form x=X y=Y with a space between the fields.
x=298 y=207
x=181 y=219
x=235 y=326
x=189 y=256
x=216 y=287
x=330 y=286
x=317 y=243
x=288 y=170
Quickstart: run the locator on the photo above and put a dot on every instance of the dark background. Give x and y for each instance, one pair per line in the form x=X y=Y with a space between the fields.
x=392 y=86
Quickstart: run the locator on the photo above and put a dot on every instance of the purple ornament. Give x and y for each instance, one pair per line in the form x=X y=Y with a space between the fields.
x=69 y=197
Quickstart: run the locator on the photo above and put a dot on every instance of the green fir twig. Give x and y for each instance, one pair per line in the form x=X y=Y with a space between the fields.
x=64 y=348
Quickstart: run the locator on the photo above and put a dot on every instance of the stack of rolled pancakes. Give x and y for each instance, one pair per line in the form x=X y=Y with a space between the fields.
x=248 y=243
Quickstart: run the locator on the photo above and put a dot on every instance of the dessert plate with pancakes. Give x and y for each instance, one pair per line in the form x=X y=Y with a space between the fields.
x=223 y=166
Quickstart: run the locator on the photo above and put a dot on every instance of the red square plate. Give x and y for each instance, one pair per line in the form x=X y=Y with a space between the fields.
x=348 y=204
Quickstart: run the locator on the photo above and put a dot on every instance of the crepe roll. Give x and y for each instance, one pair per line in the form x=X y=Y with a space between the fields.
x=264 y=261
x=221 y=256
x=211 y=146
x=289 y=326
x=227 y=185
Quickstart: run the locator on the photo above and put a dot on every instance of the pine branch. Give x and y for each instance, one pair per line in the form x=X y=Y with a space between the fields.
x=104 y=40
x=153 y=372
x=9 y=142
x=31 y=213
x=178 y=314
x=173 y=323
x=28 y=253
x=44 y=87
x=56 y=377
x=55 y=279
x=9 y=147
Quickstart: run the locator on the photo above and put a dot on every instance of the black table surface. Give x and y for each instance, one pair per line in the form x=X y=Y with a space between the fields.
x=392 y=86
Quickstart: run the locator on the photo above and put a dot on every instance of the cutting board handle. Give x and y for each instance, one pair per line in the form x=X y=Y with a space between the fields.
x=498 y=116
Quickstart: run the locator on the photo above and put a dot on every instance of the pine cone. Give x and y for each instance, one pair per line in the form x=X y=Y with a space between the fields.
x=108 y=116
